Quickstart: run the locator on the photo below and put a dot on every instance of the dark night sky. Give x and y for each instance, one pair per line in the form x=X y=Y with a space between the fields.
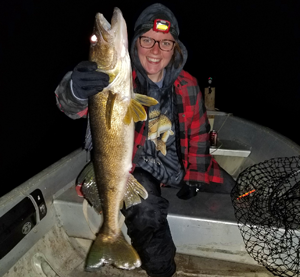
x=250 y=48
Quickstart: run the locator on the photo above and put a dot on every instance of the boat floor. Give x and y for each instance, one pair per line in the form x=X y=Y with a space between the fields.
x=58 y=255
x=186 y=266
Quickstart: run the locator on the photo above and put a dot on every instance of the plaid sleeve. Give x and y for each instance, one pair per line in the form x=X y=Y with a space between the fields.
x=67 y=102
x=201 y=166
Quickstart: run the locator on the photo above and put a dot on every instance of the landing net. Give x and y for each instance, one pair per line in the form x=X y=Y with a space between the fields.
x=266 y=201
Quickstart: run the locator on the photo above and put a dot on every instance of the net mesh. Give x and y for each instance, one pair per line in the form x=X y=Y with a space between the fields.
x=266 y=201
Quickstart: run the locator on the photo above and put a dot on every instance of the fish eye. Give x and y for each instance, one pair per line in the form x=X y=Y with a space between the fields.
x=94 y=39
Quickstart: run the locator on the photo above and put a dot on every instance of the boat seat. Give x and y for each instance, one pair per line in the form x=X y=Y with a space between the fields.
x=230 y=148
x=231 y=155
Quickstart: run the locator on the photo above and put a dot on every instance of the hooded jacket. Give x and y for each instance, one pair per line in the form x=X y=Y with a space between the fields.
x=185 y=101
x=159 y=153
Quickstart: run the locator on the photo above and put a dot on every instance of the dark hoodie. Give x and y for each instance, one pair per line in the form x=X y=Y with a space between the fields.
x=159 y=155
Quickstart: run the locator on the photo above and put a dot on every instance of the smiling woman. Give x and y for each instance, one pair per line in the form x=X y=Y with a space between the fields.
x=152 y=55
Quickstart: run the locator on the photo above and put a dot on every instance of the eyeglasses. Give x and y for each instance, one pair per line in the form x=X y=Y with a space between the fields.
x=164 y=44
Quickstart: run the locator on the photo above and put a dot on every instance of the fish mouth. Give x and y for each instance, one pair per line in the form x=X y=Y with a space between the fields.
x=111 y=41
x=110 y=31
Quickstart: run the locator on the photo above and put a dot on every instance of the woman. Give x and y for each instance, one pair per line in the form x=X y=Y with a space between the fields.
x=171 y=147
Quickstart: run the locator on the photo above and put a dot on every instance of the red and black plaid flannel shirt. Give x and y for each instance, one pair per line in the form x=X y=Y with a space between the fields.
x=199 y=165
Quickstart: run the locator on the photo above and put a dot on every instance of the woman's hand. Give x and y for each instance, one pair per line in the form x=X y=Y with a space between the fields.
x=86 y=81
x=186 y=192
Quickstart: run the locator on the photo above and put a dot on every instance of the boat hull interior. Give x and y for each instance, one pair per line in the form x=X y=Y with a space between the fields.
x=56 y=233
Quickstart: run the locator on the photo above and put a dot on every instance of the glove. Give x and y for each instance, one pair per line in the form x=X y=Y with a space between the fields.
x=186 y=192
x=87 y=81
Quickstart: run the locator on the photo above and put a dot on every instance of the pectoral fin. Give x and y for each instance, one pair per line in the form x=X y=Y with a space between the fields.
x=109 y=108
x=134 y=192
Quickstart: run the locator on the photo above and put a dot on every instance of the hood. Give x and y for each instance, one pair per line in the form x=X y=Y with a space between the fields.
x=143 y=24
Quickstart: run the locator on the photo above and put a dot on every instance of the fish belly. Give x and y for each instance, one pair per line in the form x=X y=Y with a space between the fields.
x=112 y=154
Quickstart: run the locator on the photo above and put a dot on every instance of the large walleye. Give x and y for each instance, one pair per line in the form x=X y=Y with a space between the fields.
x=112 y=114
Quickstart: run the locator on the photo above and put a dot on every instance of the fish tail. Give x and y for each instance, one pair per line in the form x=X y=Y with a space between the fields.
x=117 y=252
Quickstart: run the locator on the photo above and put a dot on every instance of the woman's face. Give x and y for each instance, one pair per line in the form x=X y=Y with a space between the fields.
x=154 y=60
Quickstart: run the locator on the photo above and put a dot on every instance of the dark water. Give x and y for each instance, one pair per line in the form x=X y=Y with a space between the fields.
x=251 y=50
